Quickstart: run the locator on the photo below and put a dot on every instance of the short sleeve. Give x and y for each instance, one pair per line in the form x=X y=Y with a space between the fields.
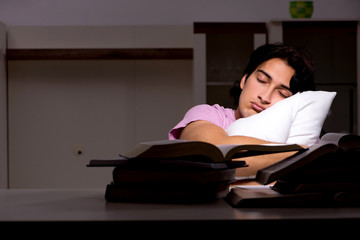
x=215 y=114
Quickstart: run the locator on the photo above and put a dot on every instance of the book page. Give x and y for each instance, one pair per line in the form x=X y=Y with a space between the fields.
x=246 y=150
x=332 y=137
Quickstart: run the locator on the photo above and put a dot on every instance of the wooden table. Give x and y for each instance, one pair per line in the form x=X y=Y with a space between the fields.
x=86 y=212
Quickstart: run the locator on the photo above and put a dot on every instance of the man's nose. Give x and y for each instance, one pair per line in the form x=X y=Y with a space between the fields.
x=265 y=96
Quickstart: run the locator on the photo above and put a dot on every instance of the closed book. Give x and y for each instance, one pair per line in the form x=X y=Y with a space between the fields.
x=266 y=197
x=172 y=175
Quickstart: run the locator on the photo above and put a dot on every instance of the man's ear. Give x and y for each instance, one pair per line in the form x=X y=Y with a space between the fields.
x=243 y=80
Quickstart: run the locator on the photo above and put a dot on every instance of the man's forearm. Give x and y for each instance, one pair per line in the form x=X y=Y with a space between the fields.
x=208 y=132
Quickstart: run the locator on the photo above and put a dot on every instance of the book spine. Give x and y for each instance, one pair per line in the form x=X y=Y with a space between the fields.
x=146 y=176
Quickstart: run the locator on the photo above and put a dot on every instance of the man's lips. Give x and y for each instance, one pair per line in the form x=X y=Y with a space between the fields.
x=257 y=107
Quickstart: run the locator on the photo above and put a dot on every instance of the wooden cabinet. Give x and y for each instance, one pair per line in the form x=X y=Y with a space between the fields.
x=334 y=45
x=98 y=88
x=221 y=51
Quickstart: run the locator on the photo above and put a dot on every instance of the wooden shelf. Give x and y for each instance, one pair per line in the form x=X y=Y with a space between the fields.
x=325 y=27
x=99 y=54
x=315 y=19
x=230 y=27
x=220 y=83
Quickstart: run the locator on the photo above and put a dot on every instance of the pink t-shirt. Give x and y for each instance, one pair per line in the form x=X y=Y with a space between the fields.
x=215 y=114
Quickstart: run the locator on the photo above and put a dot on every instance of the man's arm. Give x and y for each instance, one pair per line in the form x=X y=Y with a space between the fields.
x=209 y=132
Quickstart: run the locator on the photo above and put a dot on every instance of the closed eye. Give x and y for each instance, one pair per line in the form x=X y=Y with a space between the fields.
x=284 y=93
x=262 y=77
x=261 y=81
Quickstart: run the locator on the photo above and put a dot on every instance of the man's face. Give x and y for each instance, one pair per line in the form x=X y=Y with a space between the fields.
x=268 y=84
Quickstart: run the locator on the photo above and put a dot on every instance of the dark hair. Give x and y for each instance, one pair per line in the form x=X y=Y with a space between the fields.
x=300 y=59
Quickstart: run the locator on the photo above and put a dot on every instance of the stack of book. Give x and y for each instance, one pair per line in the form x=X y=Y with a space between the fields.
x=178 y=171
x=327 y=174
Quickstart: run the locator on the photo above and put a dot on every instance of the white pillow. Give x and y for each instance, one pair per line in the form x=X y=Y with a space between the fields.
x=297 y=119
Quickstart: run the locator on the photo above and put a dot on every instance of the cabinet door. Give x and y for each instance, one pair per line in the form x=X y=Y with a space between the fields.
x=226 y=59
x=334 y=47
x=227 y=48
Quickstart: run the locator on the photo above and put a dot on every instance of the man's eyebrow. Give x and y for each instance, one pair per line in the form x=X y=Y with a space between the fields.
x=268 y=76
x=265 y=73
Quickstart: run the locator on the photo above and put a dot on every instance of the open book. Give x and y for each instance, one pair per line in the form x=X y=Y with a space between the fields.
x=335 y=151
x=193 y=154
x=203 y=151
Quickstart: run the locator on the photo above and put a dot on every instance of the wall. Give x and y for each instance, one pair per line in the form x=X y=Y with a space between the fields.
x=160 y=12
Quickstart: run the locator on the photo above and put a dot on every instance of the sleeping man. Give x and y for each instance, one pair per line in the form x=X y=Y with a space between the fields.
x=277 y=76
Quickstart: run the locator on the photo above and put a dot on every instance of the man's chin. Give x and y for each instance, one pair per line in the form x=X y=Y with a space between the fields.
x=249 y=114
